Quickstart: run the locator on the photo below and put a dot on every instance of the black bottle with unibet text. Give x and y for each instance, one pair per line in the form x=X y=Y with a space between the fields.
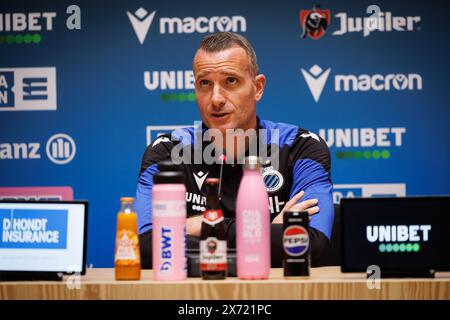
x=213 y=244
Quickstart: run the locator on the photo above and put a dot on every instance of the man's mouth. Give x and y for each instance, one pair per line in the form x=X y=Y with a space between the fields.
x=220 y=115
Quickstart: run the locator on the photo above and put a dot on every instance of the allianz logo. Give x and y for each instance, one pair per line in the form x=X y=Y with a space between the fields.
x=316 y=79
x=400 y=233
x=141 y=21
x=60 y=149
x=363 y=137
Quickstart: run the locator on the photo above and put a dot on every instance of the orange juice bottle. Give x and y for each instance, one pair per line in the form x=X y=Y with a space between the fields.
x=127 y=258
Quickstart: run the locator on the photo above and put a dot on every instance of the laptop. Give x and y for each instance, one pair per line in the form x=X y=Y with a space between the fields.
x=43 y=237
x=397 y=234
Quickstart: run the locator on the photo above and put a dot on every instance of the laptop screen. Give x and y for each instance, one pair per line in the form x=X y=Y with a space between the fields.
x=43 y=236
x=396 y=234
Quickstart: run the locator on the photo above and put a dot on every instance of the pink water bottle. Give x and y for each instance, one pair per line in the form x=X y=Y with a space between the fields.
x=169 y=223
x=252 y=224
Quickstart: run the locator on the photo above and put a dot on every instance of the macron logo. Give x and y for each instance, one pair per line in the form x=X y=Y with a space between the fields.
x=160 y=139
x=315 y=79
x=141 y=21
x=200 y=178
x=310 y=135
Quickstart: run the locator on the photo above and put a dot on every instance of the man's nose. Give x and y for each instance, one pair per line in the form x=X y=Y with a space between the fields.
x=218 y=98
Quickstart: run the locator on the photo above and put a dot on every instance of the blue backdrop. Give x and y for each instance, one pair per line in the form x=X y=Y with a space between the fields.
x=381 y=97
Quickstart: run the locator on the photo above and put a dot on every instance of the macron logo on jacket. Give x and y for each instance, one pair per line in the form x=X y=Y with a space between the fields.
x=200 y=178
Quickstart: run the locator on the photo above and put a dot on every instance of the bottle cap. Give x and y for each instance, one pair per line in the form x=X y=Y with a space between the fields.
x=251 y=163
x=212 y=187
x=126 y=199
x=212 y=181
x=169 y=172
x=168 y=165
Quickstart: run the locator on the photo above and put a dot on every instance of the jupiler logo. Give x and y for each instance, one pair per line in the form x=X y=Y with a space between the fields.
x=377 y=21
x=314 y=22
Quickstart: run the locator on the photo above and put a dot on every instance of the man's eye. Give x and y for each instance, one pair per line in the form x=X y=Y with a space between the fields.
x=204 y=83
x=231 y=80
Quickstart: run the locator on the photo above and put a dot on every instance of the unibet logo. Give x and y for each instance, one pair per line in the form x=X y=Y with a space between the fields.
x=27 y=89
x=363 y=138
x=60 y=149
x=26 y=28
x=399 y=233
x=31 y=21
x=141 y=22
x=316 y=79
x=172 y=80
x=169 y=80
x=405 y=238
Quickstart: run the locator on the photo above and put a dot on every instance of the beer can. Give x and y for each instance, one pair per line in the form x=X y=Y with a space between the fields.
x=296 y=243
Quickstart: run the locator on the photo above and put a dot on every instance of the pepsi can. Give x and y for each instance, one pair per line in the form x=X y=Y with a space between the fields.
x=296 y=243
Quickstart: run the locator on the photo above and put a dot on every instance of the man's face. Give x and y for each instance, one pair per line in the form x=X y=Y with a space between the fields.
x=226 y=89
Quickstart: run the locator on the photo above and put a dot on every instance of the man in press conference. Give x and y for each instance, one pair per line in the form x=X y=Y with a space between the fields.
x=228 y=85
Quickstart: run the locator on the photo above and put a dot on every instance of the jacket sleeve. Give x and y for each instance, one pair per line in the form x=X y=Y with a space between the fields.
x=311 y=173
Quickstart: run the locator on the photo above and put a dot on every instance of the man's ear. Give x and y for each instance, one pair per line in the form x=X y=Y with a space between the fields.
x=260 y=83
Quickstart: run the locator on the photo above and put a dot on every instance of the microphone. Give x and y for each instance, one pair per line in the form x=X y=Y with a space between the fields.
x=222 y=159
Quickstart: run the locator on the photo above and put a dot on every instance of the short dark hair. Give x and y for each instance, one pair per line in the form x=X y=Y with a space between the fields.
x=225 y=40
